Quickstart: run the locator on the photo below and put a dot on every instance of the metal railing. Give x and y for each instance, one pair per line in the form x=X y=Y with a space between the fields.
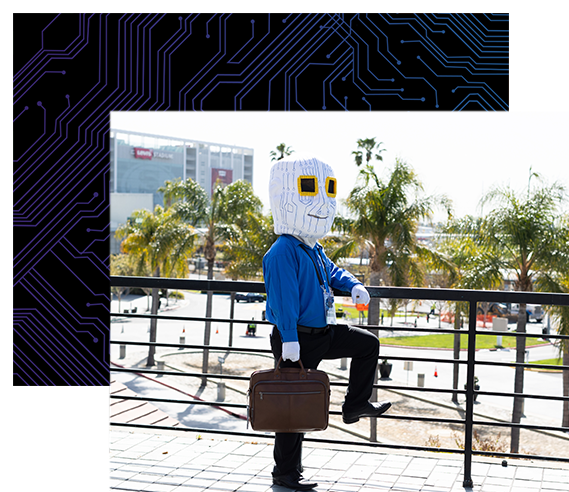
x=471 y=297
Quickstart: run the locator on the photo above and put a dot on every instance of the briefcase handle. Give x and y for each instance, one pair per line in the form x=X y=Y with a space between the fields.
x=278 y=369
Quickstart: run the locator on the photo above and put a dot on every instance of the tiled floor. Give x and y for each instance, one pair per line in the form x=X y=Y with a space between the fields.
x=158 y=461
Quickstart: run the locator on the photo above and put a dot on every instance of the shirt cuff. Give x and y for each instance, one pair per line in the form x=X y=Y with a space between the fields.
x=289 y=335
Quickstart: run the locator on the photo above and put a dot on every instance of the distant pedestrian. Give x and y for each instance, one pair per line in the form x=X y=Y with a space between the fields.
x=251 y=328
x=416 y=321
x=427 y=317
x=433 y=309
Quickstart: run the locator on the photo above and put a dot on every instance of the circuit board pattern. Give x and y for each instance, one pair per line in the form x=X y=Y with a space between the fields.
x=72 y=70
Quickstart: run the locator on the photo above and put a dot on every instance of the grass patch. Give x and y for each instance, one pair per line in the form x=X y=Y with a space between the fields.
x=446 y=340
x=548 y=362
x=352 y=312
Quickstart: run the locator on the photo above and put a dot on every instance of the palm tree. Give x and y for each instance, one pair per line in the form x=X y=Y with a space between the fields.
x=282 y=151
x=121 y=265
x=222 y=215
x=465 y=265
x=189 y=199
x=367 y=145
x=160 y=242
x=523 y=235
x=244 y=251
x=384 y=220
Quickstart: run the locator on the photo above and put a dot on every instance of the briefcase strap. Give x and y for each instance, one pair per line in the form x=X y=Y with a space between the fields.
x=278 y=369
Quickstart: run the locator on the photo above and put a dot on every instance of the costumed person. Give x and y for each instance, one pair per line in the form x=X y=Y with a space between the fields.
x=299 y=281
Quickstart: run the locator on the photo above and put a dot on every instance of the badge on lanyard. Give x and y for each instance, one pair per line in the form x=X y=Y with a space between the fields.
x=329 y=307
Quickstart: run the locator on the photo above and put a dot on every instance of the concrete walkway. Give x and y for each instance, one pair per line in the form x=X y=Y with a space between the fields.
x=166 y=461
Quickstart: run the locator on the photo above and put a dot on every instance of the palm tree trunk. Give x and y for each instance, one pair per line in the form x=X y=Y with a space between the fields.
x=153 y=322
x=373 y=319
x=456 y=352
x=374 y=302
x=209 y=255
x=207 y=330
x=519 y=379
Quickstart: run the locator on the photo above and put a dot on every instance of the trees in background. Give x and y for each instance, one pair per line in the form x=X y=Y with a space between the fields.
x=244 y=250
x=526 y=235
x=384 y=216
x=559 y=282
x=466 y=265
x=281 y=152
x=121 y=265
x=223 y=216
x=161 y=243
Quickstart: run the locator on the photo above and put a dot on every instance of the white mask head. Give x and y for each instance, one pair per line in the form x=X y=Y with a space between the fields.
x=302 y=192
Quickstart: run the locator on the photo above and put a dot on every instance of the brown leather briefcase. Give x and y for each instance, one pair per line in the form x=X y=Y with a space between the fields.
x=289 y=399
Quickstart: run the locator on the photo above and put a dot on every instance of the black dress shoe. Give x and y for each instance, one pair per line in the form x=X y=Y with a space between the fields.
x=370 y=410
x=294 y=483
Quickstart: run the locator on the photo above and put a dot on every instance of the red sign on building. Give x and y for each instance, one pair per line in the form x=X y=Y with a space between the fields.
x=223 y=176
x=140 y=153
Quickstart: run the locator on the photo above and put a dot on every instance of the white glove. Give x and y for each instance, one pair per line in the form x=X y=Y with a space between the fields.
x=291 y=351
x=360 y=295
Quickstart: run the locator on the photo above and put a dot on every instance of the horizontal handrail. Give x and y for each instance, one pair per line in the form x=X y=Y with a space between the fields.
x=418 y=293
x=338 y=412
x=188 y=318
x=470 y=330
x=447 y=331
x=341 y=384
x=391 y=357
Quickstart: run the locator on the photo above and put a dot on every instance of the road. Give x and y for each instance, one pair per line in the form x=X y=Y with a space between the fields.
x=194 y=304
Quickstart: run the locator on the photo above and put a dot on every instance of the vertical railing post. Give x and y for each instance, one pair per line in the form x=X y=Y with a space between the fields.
x=373 y=421
x=469 y=417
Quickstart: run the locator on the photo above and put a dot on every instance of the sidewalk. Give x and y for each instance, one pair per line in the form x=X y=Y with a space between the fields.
x=167 y=461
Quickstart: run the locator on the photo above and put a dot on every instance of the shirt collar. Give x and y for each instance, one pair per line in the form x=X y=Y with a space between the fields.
x=299 y=242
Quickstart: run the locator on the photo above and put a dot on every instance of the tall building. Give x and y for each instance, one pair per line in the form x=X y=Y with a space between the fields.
x=142 y=162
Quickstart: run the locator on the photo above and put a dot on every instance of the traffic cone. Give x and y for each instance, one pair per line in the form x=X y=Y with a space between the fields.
x=217 y=331
x=436 y=373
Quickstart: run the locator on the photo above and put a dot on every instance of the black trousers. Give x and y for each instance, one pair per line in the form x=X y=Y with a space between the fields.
x=339 y=341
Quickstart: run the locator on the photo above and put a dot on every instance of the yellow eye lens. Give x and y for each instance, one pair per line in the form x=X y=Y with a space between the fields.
x=331 y=187
x=307 y=185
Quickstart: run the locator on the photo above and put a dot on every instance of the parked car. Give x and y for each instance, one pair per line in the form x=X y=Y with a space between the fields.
x=495 y=308
x=533 y=312
x=250 y=297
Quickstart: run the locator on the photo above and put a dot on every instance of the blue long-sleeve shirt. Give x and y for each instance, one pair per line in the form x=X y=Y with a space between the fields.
x=294 y=294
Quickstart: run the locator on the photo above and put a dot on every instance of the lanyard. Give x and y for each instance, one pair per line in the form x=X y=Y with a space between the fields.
x=316 y=268
x=326 y=289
